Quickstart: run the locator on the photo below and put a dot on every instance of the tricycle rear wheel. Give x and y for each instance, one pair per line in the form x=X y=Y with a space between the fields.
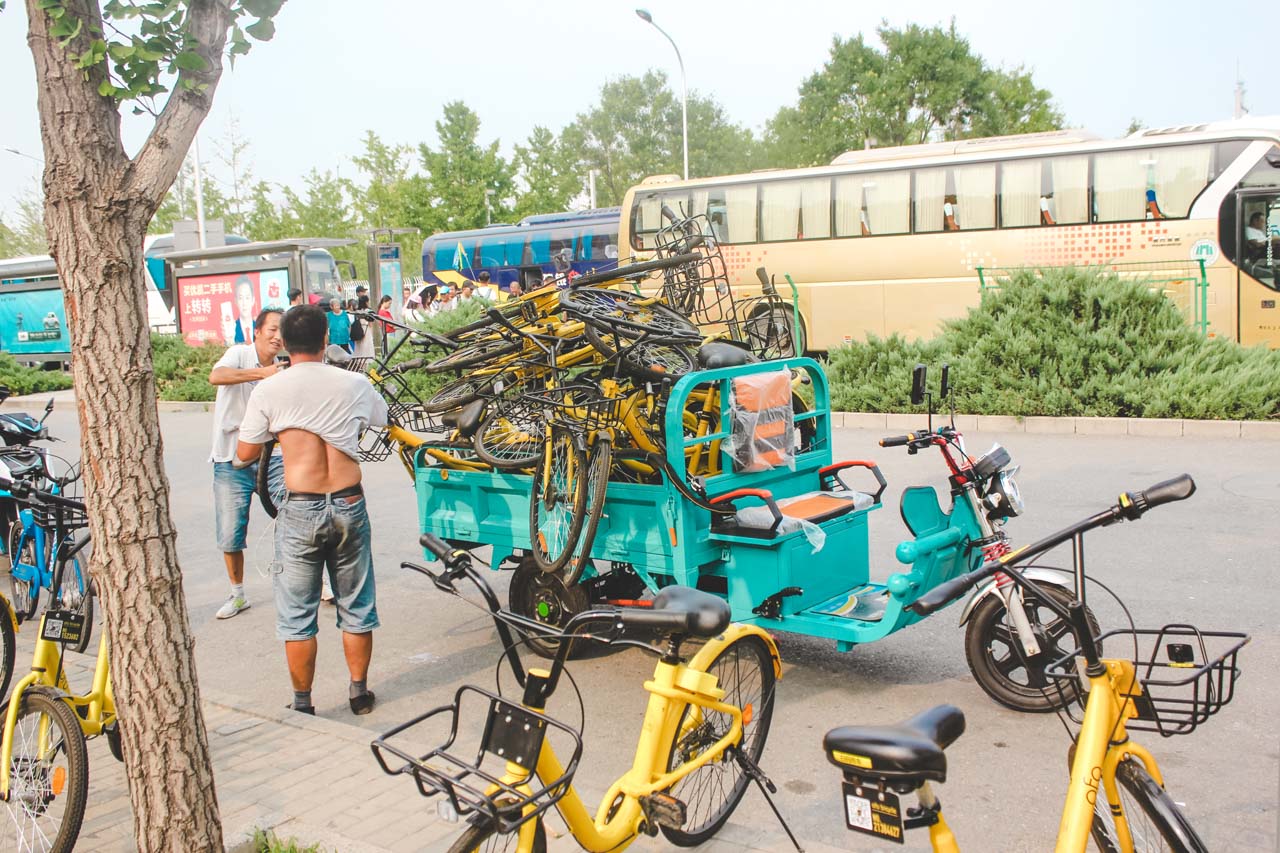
x=544 y=597
x=995 y=655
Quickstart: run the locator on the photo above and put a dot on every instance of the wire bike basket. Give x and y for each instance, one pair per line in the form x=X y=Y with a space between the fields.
x=581 y=407
x=512 y=735
x=1184 y=676
x=49 y=516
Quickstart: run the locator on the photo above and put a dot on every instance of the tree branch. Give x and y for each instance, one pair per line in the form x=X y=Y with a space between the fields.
x=156 y=165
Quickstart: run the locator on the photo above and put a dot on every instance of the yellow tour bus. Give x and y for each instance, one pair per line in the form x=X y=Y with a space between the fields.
x=892 y=239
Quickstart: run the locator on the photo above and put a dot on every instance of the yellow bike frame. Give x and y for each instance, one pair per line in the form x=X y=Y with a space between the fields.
x=672 y=688
x=95 y=709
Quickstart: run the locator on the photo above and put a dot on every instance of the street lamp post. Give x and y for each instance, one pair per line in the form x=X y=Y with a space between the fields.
x=488 y=208
x=643 y=14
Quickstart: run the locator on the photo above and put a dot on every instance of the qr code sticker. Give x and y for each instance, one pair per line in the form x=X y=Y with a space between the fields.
x=53 y=628
x=859 y=809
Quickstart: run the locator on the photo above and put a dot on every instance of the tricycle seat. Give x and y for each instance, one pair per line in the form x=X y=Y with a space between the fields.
x=778 y=518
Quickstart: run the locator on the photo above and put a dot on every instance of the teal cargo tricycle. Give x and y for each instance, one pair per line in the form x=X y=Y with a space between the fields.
x=779 y=530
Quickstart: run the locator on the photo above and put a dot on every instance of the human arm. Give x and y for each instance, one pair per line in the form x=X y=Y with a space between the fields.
x=238 y=365
x=255 y=430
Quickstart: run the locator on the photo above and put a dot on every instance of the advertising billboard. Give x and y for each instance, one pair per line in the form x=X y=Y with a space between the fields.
x=221 y=307
x=33 y=322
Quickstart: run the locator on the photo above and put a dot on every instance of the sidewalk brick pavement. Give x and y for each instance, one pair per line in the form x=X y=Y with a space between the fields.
x=316 y=780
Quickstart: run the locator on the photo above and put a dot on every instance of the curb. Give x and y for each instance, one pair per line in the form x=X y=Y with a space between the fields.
x=1145 y=427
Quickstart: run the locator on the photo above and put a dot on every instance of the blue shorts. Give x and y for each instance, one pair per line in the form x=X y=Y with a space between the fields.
x=315 y=536
x=233 y=490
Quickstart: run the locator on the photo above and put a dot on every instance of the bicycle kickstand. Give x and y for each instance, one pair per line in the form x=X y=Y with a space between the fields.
x=767 y=788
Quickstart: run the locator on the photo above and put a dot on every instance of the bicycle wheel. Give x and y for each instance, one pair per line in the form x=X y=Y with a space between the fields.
x=710 y=794
x=557 y=507
x=25 y=593
x=472 y=355
x=486 y=839
x=48 y=775
x=8 y=648
x=995 y=656
x=512 y=434
x=598 y=466
x=75 y=593
x=1155 y=821
x=614 y=309
x=646 y=360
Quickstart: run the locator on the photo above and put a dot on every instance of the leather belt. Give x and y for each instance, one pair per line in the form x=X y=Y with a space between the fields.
x=349 y=491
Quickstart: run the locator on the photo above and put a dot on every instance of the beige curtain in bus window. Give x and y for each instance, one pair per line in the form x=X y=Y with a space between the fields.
x=976 y=196
x=849 y=206
x=1020 y=193
x=1120 y=185
x=931 y=186
x=1182 y=171
x=649 y=206
x=779 y=210
x=679 y=204
x=815 y=208
x=1070 y=201
x=887 y=199
x=740 y=204
x=699 y=202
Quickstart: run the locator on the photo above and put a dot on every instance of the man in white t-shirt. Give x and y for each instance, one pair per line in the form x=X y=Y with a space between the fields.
x=235 y=375
x=317 y=413
x=1255 y=236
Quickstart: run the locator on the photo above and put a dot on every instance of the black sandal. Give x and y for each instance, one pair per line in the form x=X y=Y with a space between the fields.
x=363 y=703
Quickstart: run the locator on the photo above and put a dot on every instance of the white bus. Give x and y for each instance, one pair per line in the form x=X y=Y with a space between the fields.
x=891 y=240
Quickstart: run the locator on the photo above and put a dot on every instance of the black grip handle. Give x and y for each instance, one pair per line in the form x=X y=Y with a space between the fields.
x=1134 y=504
x=895 y=440
x=407 y=364
x=438 y=340
x=948 y=591
x=436 y=546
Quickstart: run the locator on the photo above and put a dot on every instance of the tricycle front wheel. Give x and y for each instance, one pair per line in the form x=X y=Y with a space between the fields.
x=995 y=654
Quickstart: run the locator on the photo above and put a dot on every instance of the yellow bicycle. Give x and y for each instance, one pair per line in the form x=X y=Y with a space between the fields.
x=699 y=747
x=1177 y=678
x=44 y=761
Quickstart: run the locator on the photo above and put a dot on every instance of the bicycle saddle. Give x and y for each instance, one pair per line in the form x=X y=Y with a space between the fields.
x=723 y=354
x=910 y=752
x=467 y=419
x=681 y=610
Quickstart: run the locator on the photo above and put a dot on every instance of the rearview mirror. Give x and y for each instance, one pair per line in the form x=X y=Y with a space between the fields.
x=917 y=384
x=945 y=389
x=49 y=407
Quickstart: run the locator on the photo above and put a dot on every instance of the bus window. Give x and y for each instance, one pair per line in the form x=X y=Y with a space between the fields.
x=929 y=198
x=560 y=248
x=1120 y=185
x=539 y=249
x=815 y=209
x=1180 y=173
x=975 y=193
x=1266 y=173
x=739 y=212
x=1021 y=189
x=492 y=252
x=517 y=251
x=886 y=202
x=1066 y=201
x=445 y=252
x=779 y=210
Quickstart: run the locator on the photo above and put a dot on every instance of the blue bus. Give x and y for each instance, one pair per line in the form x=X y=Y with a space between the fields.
x=544 y=244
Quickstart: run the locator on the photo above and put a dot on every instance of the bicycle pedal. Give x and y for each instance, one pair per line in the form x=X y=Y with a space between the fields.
x=662 y=810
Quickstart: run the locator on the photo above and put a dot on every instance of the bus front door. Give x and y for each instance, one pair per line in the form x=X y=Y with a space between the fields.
x=1258 y=262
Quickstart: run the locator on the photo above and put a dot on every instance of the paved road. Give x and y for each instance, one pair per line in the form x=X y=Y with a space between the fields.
x=1211 y=560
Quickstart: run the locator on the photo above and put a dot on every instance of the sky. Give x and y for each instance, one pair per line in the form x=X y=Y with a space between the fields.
x=336 y=69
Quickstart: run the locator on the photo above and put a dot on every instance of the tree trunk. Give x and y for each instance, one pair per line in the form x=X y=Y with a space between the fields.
x=96 y=228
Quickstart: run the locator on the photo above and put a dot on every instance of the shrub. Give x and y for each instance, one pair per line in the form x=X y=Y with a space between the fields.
x=1070 y=342
x=30 y=380
x=182 y=370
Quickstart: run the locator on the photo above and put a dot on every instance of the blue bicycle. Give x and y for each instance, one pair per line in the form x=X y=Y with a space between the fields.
x=37 y=539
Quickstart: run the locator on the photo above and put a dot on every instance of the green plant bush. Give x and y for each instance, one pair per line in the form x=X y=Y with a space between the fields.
x=30 y=380
x=182 y=370
x=1068 y=342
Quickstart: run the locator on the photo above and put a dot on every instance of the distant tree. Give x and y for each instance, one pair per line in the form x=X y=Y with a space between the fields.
x=232 y=150
x=460 y=170
x=634 y=131
x=1135 y=124
x=547 y=176
x=23 y=234
x=925 y=84
x=180 y=202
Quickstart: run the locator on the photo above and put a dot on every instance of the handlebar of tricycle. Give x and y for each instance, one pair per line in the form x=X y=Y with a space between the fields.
x=1130 y=506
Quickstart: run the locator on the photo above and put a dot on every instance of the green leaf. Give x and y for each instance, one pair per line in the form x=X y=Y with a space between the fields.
x=262 y=29
x=105 y=89
x=262 y=8
x=189 y=60
x=121 y=52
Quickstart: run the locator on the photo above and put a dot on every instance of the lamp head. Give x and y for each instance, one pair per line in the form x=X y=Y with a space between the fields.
x=643 y=14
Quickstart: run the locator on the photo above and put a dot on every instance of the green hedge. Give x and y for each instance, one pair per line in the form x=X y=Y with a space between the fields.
x=1069 y=342
x=30 y=380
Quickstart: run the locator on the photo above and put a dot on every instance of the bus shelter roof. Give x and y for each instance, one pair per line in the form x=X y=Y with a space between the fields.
x=266 y=247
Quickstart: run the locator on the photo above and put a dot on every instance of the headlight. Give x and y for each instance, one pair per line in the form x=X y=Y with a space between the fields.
x=1007 y=487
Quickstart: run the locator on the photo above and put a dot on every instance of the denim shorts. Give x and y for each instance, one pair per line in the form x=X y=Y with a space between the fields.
x=315 y=536
x=233 y=490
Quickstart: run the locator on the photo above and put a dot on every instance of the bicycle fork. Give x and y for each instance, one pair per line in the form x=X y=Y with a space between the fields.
x=1012 y=597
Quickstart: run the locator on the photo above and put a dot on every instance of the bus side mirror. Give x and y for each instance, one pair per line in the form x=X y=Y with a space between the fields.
x=917 y=384
x=946 y=381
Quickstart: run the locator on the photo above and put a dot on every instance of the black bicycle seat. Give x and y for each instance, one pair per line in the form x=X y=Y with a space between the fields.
x=716 y=354
x=467 y=419
x=908 y=752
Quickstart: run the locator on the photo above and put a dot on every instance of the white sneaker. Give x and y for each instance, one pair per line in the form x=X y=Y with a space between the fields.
x=232 y=606
x=326 y=594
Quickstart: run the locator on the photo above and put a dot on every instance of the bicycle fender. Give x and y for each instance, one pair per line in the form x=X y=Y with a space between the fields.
x=717 y=644
x=1040 y=574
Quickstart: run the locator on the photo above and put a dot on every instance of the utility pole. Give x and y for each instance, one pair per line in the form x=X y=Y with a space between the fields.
x=1239 y=106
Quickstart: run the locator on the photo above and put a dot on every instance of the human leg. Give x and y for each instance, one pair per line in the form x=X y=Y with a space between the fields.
x=355 y=595
x=300 y=559
x=232 y=493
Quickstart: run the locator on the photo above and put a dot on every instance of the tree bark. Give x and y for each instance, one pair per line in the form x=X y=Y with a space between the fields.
x=97 y=206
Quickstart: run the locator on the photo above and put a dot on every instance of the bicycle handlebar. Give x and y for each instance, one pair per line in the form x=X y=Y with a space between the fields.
x=634 y=270
x=1130 y=506
x=25 y=491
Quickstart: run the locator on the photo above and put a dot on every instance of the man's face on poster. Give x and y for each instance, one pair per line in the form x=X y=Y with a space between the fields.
x=244 y=299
